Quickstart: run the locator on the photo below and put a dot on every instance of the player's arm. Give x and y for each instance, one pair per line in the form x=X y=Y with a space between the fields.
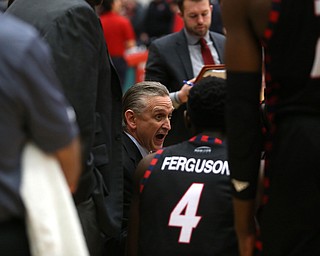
x=51 y=121
x=133 y=228
x=69 y=159
x=243 y=61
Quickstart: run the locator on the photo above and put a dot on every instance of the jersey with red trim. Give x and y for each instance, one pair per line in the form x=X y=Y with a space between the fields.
x=185 y=201
x=292 y=61
x=292 y=57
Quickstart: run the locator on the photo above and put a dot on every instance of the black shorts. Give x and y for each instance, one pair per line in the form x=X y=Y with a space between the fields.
x=289 y=221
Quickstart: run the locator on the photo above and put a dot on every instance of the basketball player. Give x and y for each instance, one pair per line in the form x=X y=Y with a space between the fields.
x=288 y=32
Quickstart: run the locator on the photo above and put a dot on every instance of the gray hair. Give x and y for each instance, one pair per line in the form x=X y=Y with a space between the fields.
x=136 y=96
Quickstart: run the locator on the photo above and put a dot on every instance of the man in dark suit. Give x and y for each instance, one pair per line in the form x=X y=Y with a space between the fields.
x=146 y=114
x=80 y=58
x=177 y=57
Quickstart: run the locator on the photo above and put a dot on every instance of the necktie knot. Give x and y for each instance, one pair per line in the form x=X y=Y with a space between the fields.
x=206 y=53
x=203 y=42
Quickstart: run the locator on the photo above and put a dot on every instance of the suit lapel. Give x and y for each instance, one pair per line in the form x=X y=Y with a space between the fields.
x=183 y=53
x=131 y=148
x=218 y=46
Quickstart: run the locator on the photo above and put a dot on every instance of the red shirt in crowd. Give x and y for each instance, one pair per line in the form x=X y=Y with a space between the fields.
x=117 y=31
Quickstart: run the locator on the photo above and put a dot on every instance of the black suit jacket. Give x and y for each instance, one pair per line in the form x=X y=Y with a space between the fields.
x=74 y=34
x=131 y=157
x=169 y=62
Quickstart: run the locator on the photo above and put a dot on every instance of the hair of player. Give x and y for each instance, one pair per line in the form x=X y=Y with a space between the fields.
x=206 y=104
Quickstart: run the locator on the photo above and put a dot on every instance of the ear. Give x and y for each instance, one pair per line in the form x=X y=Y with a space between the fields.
x=130 y=119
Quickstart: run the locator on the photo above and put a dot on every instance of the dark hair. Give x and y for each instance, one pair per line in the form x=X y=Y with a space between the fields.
x=180 y=3
x=107 y=5
x=206 y=104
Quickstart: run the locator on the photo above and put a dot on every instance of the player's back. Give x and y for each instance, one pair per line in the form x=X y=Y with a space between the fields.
x=185 y=202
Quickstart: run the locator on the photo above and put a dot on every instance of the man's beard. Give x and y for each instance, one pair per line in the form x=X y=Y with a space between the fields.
x=196 y=32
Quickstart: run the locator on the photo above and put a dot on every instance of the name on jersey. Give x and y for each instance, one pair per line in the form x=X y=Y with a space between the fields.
x=181 y=163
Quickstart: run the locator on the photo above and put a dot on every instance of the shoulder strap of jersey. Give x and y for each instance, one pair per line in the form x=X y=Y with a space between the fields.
x=148 y=172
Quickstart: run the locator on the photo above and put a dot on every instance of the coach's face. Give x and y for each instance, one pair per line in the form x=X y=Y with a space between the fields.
x=197 y=16
x=152 y=125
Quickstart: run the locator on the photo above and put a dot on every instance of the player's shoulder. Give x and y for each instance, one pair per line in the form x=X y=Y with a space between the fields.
x=169 y=39
x=17 y=38
x=13 y=28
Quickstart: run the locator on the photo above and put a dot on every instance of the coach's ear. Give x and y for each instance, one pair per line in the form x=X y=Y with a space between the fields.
x=130 y=119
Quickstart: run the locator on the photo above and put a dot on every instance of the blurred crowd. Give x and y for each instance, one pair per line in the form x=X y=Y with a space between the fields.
x=157 y=18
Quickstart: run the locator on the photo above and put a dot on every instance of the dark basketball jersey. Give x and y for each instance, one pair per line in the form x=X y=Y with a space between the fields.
x=292 y=54
x=291 y=185
x=185 y=201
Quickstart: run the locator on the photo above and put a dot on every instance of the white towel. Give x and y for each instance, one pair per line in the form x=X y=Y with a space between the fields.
x=53 y=224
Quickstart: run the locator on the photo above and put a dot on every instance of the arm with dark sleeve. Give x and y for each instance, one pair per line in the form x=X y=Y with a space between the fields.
x=50 y=120
x=243 y=62
x=133 y=229
x=157 y=69
x=155 y=66
x=74 y=44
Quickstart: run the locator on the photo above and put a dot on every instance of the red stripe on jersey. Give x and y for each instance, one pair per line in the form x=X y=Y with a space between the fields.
x=274 y=16
x=146 y=174
x=266 y=182
x=159 y=152
x=205 y=138
x=193 y=138
x=258 y=245
x=154 y=161
x=217 y=141
x=265 y=199
x=268 y=33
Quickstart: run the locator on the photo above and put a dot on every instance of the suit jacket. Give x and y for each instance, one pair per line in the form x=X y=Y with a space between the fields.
x=74 y=34
x=131 y=157
x=169 y=62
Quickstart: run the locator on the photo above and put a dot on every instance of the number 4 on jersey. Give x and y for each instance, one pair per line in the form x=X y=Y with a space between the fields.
x=184 y=214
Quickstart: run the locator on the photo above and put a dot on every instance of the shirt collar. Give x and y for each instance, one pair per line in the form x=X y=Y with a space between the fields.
x=143 y=151
x=193 y=40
